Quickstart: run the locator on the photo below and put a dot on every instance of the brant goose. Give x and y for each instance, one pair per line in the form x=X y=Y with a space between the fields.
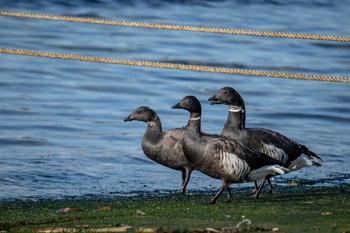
x=269 y=142
x=220 y=157
x=163 y=147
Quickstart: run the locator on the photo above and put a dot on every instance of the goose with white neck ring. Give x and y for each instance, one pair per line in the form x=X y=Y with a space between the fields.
x=266 y=141
x=220 y=157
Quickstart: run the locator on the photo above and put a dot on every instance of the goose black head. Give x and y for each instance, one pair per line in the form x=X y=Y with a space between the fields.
x=189 y=103
x=142 y=113
x=228 y=96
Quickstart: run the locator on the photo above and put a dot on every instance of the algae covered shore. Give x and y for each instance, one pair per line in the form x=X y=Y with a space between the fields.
x=289 y=209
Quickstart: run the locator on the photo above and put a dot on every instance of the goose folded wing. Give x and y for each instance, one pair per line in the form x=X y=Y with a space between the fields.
x=253 y=158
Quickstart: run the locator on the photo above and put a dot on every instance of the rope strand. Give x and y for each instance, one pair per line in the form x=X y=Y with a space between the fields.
x=177 y=66
x=177 y=27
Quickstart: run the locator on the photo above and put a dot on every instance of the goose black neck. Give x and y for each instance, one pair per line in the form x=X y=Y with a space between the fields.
x=235 y=119
x=194 y=123
x=154 y=129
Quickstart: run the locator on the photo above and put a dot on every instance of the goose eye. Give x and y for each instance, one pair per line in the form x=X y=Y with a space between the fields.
x=226 y=93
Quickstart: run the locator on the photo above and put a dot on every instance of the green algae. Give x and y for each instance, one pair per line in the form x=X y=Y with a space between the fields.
x=290 y=209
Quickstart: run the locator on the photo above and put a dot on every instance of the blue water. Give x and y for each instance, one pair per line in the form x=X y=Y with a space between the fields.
x=61 y=122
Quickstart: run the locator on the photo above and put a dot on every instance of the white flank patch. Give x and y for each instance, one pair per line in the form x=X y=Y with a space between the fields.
x=195 y=118
x=304 y=161
x=233 y=166
x=275 y=152
x=269 y=170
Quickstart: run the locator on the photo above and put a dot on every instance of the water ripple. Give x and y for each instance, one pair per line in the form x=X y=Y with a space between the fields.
x=25 y=141
x=61 y=122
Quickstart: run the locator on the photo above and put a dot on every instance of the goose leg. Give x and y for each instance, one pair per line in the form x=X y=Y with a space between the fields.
x=229 y=195
x=213 y=200
x=270 y=186
x=256 y=187
x=260 y=188
x=186 y=174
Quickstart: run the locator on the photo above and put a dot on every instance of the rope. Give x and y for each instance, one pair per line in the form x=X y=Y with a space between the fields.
x=177 y=27
x=177 y=66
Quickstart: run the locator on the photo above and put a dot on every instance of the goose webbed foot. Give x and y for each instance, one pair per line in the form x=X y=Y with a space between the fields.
x=211 y=202
x=180 y=193
x=252 y=193
x=229 y=195
x=257 y=193
x=215 y=198
x=186 y=174
x=256 y=187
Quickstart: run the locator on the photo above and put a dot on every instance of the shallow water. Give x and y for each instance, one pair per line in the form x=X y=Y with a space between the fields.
x=61 y=122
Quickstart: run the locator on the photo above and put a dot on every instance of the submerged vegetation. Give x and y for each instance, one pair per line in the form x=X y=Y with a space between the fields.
x=290 y=209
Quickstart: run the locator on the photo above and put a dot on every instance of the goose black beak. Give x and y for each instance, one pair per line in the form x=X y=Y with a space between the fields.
x=128 y=118
x=178 y=105
x=214 y=100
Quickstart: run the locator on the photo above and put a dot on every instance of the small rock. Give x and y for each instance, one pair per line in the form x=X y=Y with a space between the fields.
x=244 y=223
x=105 y=208
x=66 y=210
x=208 y=229
x=140 y=212
x=146 y=230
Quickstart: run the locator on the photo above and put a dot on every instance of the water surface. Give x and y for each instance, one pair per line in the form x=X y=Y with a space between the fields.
x=61 y=122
